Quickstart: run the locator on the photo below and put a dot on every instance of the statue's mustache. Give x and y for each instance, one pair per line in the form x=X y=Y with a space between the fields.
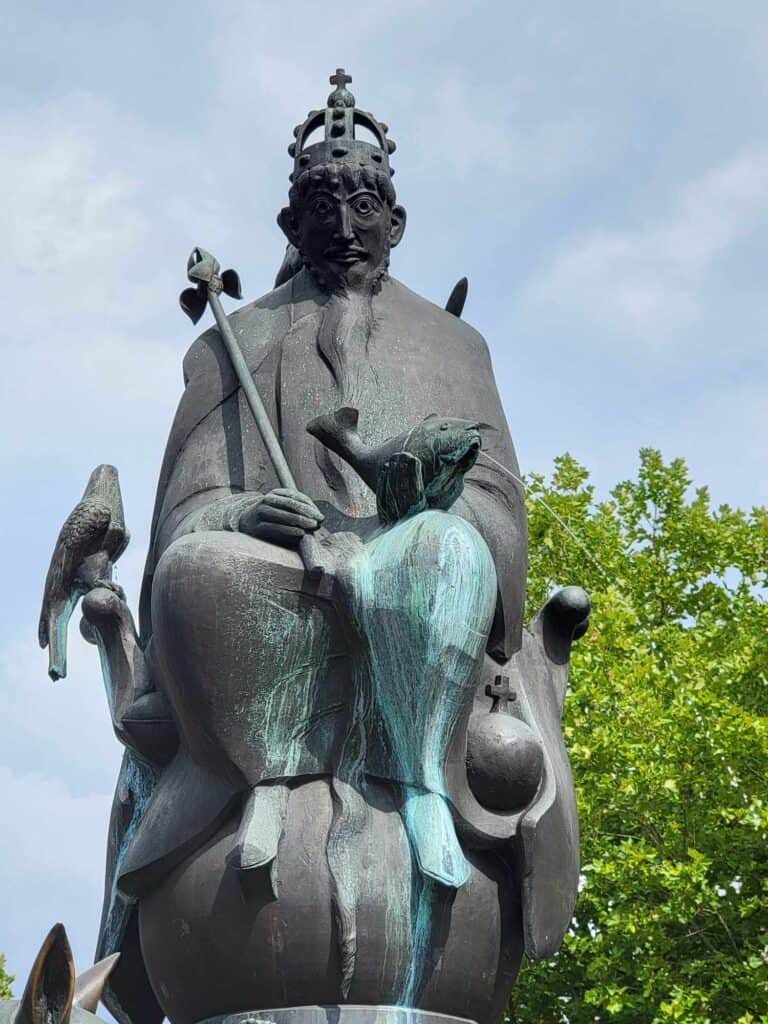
x=336 y=250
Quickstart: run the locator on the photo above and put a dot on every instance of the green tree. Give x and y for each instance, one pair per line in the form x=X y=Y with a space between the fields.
x=667 y=732
x=5 y=980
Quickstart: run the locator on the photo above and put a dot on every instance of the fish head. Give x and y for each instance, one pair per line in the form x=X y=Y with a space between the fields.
x=448 y=448
x=447 y=440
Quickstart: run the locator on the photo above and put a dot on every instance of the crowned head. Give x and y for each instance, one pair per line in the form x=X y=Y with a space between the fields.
x=342 y=214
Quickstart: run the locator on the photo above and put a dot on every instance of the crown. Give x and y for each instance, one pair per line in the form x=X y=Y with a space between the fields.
x=340 y=119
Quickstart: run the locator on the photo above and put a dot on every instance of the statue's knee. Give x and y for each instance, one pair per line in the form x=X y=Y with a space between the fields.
x=187 y=569
x=205 y=570
x=451 y=546
x=434 y=553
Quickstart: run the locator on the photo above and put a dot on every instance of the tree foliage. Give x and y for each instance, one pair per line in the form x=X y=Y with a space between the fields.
x=667 y=732
x=5 y=980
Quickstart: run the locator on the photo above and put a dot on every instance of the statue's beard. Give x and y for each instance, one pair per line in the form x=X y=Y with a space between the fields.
x=350 y=279
x=346 y=323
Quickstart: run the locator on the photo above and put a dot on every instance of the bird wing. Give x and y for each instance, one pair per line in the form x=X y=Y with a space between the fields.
x=117 y=542
x=80 y=536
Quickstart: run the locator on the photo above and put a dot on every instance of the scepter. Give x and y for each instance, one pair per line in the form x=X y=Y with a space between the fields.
x=203 y=270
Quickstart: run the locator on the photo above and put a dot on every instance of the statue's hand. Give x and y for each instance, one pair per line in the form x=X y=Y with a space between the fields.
x=281 y=516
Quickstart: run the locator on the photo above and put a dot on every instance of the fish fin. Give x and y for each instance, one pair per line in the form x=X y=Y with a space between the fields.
x=347 y=417
x=331 y=427
x=400 y=488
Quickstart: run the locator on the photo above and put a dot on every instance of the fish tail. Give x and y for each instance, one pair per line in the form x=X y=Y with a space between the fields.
x=337 y=430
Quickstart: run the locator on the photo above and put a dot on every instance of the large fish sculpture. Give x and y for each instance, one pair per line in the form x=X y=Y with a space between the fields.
x=421 y=468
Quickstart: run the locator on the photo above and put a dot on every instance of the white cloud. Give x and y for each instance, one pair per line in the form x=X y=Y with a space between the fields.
x=450 y=128
x=47 y=831
x=650 y=280
x=722 y=434
x=75 y=215
x=52 y=846
x=61 y=730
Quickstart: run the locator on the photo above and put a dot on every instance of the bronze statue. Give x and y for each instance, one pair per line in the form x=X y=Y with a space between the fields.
x=344 y=783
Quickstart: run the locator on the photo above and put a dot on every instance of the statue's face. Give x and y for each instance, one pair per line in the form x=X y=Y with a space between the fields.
x=345 y=233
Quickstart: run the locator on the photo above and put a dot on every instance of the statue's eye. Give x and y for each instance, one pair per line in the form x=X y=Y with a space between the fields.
x=365 y=206
x=444 y=426
x=322 y=208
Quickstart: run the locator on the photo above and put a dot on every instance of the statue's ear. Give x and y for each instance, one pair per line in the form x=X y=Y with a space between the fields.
x=290 y=228
x=50 y=987
x=398 y=225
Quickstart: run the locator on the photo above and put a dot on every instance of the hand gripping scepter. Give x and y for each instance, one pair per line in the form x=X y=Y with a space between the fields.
x=203 y=270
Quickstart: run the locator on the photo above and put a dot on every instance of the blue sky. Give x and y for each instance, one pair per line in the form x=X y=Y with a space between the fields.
x=598 y=170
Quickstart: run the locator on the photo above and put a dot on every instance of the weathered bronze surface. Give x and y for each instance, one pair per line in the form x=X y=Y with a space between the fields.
x=344 y=783
x=52 y=993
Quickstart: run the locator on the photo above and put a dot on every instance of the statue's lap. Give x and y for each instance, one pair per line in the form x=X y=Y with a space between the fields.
x=242 y=648
x=245 y=644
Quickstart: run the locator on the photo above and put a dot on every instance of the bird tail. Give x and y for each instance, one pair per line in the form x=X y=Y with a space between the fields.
x=42 y=630
x=52 y=633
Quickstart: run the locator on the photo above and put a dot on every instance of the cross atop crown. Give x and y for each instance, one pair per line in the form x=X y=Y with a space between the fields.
x=341 y=96
x=340 y=78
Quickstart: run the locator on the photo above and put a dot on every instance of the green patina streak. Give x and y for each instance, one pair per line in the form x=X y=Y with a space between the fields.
x=296 y=650
x=423 y=898
x=398 y=931
x=347 y=833
x=423 y=595
x=136 y=783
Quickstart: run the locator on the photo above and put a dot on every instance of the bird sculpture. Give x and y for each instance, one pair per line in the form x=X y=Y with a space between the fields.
x=91 y=540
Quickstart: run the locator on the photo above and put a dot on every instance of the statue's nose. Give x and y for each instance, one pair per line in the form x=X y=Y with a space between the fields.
x=344 y=226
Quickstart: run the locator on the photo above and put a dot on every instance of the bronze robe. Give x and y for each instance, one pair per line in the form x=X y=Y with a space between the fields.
x=422 y=360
